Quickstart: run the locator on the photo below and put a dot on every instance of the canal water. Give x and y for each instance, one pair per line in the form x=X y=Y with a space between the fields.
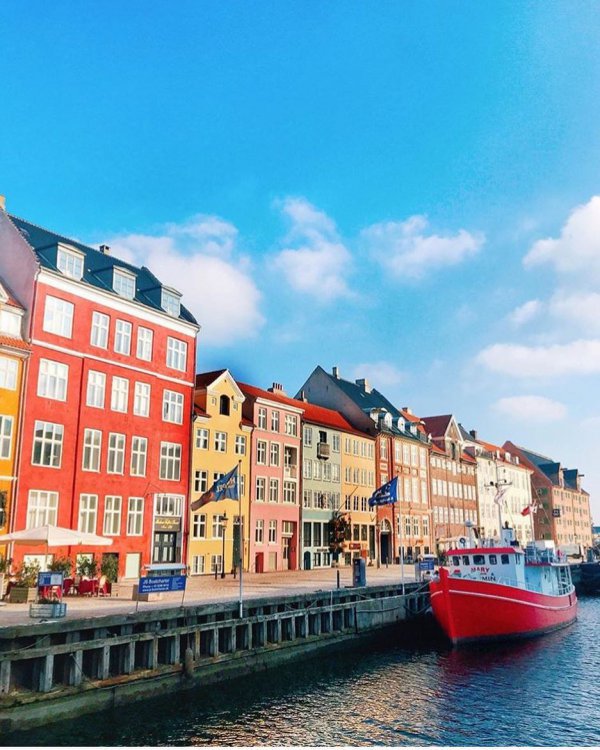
x=536 y=692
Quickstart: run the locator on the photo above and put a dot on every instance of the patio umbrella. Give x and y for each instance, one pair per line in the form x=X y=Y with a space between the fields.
x=55 y=536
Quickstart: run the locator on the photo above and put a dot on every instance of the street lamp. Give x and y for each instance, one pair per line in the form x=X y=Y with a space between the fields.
x=223 y=523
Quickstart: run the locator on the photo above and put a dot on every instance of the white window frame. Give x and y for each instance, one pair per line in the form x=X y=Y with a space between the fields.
x=220 y=441
x=141 y=399
x=42 y=508
x=139 y=456
x=259 y=531
x=170 y=461
x=172 y=407
x=240 y=445
x=119 y=394
x=124 y=283
x=52 y=438
x=122 y=342
x=176 y=354
x=92 y=450
x=96 y=389
x=261 y=452
x=70 y=262
x=99 y=330
x=272 y=531
x=170 y=302
x=9 y=370
x=135 y=516
x=116 y=453
x=58 y=316
x=53 y=380
x=6 y=432
x=202 y=438
x=145 y=340
x=88 y=513
x=112 y=515
x=199 y=526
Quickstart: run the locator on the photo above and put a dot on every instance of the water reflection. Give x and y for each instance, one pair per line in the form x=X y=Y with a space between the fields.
x=529 y=693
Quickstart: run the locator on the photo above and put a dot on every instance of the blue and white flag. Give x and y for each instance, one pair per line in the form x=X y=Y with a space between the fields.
x=225 y=487
x=386 y=494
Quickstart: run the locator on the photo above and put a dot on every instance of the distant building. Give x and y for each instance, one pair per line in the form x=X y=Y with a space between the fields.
x=563 y=505
x=108 y=399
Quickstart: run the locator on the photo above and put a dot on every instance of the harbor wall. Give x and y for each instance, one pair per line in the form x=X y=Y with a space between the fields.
x=56 y=670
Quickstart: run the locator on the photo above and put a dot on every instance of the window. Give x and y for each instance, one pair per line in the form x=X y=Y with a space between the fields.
x=124 y=283
x=6 y=428
x=144 y=344
x=135 y=516
x=504 y=559
x=261 y=452
x=116 y=453
x=289 y=492
x=141 y=399
x=42 y=508
x=112 y=515
x=274 y=454
x=215 y=564
x=199 y=526
x=52 y=380
x=168 y=505
x=307 y=468
x=173 y=407
x=259 y=531
x=70 y=263
x=335 y=443
x=92 y=444
x=383 y=449
x=99 y=331
x=272 y=532
x=221 y=442
x=291 y=424
x=139 y=452
x=240 y=445
x=493 y=560
x=88 y=508
x=200 y=481
x=307 y=534
x=47 y=444
x=224 y=405
x=218 y=528
x=119 y=395
x=307 y=436
x=176 y=354
x=8 y=373
x=262 y=418
x=197 y=564
x=123 y=337
x=96 y=387
x=202 y=438
x=465 y=560
x=10 y=322
x=260 y=489
x=273 y=490
x=307 y=498
x=274 y=421
x=170 y=461
x=58 y=317
x=170 y=303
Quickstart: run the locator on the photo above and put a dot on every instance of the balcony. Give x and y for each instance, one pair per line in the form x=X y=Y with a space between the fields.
x=323 y=451
x=290 y=471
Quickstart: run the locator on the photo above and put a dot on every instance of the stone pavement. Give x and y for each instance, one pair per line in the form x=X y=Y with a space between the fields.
x=205 y=590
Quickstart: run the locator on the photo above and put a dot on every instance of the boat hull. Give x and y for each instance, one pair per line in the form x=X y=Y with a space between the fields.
x=469 y=611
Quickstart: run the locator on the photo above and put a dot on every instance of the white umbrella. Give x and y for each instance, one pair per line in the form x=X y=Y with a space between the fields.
x=55 y=536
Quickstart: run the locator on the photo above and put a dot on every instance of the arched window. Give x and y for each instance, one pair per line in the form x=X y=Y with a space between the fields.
x=224 y=405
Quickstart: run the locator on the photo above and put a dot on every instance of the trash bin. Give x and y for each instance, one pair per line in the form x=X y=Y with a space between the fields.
x=359 y=572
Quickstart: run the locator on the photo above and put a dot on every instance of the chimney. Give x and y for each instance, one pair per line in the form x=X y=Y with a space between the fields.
x=473 y=434
x=407 y=409
x=105 y=249
x=335 y=372
x=364 y=384
x=2 y=203
x=277 y=388
x=302 y=397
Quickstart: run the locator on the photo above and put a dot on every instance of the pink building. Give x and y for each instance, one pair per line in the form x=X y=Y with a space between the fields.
x=274 y=478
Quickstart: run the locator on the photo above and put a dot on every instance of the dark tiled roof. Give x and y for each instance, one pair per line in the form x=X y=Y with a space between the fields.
x=98 y=267
x=437 y=426
x=204 y=379
x=537 y=459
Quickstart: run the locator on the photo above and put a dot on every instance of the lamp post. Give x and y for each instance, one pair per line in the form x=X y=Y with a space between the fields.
x=223 y=523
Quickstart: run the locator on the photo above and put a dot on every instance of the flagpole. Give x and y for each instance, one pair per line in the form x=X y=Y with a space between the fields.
x=401 y=546
x=241 y=538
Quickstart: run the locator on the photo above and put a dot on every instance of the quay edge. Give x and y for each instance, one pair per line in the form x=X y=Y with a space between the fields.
x=57 y=670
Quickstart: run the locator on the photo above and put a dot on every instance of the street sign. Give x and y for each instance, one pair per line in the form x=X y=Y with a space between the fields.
x=156 y=584
x=427 y=564
x=50 y=579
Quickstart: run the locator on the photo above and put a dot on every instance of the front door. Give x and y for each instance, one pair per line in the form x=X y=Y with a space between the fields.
x=385 y=548
x=165 y=547
x=286 y=552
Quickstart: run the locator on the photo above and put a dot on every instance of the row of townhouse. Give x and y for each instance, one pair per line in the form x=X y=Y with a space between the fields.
x=105 y=428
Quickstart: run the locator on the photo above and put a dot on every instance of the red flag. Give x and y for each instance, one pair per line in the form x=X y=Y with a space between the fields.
x=526 y=511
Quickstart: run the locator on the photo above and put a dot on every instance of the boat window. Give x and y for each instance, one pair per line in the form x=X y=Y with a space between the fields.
x=456 y=560
x=504 y=559
x=493 y=560
x=478 y=559
x=465 y=559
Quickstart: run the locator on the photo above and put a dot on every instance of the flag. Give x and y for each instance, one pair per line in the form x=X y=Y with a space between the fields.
x=225 y=487
x=500 y=494
x=386 y=494
x=530 y=509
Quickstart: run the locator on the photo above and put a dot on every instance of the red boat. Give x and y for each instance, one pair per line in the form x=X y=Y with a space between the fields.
x=490 y=593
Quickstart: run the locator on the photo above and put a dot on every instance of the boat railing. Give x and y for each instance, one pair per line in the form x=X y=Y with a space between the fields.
x=559 y=588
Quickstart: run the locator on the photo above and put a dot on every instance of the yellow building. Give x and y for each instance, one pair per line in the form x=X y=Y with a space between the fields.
x=358 y=485
x=220 y=440
x=13 y=355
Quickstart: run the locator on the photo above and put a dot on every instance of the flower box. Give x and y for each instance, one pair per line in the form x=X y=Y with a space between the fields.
x=22 y=594
x=46 y=611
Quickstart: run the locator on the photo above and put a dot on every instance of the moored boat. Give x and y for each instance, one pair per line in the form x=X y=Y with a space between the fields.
x=489 y=593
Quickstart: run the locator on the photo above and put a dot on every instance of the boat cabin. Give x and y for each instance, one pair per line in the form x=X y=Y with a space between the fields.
x=501 y=564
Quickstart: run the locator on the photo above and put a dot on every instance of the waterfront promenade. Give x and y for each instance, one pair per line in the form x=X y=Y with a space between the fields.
x=206 y=590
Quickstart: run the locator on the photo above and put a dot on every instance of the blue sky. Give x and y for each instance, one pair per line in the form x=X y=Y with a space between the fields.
x=405 y=190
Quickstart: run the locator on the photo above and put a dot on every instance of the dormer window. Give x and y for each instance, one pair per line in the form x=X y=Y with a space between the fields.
x=69 y=262
x=10 y=322
x=124 y=283
x=387 y=419
x=171 y=303
x=401 y=425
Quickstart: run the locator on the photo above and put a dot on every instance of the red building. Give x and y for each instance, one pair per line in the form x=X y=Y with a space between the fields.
x=107 y=402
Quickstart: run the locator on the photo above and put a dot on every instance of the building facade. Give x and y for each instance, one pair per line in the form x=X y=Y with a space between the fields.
x=108 y=400
x=221 y=441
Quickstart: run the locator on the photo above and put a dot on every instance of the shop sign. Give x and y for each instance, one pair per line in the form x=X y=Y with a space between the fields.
x=156 y=584
x=167 y=523
x=50 y=579
x=354 y=545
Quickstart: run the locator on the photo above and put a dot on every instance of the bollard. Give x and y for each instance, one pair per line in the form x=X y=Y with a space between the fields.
x=338 y=578
x=188 y=662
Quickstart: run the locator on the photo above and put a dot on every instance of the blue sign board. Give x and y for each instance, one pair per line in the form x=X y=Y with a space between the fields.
x=50 y=579
x=427 y=564
x=156 y=584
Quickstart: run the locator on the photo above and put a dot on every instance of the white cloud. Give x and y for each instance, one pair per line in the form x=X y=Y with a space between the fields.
x=198 y=259
x=530 y=408
x=379 y=374
x=582 y=308
x=405 y=249
x=525 y=312
x=576 y=358
x=316 y=262
x=577 y=250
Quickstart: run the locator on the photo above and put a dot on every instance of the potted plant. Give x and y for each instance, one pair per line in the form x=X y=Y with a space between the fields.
x=25 y=588
x=5 y=563
x=62 y=565
x=87 y=567
x=110 y=569
x=46 y=608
